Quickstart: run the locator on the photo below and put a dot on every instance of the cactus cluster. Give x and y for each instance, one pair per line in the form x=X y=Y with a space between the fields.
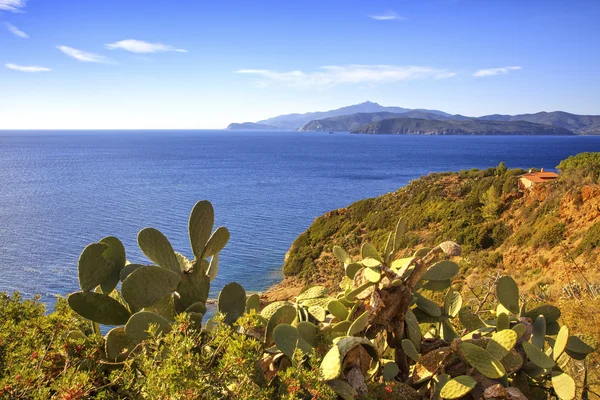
x=395 y=318
x=153 y=294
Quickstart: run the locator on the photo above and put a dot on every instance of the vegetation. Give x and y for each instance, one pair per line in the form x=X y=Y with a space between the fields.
x=436 y=207
x=583 y=165
x=399 y=328
x=418 y=126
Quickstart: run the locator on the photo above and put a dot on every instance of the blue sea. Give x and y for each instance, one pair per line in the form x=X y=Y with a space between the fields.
x=60 y=190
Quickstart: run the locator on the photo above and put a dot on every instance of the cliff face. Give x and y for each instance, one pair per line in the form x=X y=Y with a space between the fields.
x=545 y=236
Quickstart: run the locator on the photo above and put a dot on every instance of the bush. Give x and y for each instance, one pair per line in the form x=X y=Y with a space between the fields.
x=581 y=165
x=550 y=233
x=590 y=241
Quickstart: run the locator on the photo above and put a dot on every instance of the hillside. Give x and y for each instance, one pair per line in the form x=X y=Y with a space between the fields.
x=452 y=206
x=582 y=124
x=416 y=126
x=548 y=238
x=347 y=123
x=244 y=126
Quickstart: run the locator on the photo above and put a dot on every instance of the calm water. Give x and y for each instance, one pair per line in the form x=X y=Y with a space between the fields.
x=60 y=191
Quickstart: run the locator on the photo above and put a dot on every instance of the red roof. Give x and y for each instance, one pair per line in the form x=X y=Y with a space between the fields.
x=540 y=177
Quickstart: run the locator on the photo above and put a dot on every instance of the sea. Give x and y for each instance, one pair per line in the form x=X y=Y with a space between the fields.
x=61 y=190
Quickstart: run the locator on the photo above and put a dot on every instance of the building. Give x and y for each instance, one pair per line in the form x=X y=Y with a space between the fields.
x=535 y=178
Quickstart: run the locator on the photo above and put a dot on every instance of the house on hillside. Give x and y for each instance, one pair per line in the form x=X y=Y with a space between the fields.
x=535 y=178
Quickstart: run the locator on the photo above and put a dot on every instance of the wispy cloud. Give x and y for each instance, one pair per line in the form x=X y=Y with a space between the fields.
x=23 y=68
x=140 y=47
x=349 y=74
x=495 y=71
x=83 y=56
x=12 y=5
x=388 y=16
x=16 y=31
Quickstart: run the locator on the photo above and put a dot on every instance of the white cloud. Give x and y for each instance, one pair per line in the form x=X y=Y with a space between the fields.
x=27 y=68
x=82 y=55
x=139 y=47
x=16 y=31
x=388 y=16
x=349 y=74
x=495 y=71
x=12 y=5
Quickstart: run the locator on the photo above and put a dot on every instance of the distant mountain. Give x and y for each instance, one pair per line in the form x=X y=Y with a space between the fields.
x=296 y=121
x=352 y=117
x=583 y=124
x=415 y=126
x=246 y=126
x=346 y=123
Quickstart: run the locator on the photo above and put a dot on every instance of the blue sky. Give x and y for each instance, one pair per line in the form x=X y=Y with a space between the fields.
x=94 y=64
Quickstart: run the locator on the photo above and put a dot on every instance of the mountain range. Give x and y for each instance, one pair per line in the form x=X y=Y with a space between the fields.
x=355 y=118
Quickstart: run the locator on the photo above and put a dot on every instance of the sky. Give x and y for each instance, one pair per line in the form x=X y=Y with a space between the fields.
x=161 y=64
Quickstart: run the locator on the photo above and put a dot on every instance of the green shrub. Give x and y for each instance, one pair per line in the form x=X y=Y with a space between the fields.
x=548 y=234
x=590 y=241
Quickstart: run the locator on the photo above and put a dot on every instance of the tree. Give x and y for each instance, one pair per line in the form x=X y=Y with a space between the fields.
x=491 y=203
x=501 y=169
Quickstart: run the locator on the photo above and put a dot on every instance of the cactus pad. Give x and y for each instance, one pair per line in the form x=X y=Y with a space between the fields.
x=470 y=321
x=563 y=385
x=117 y=343
x=288 y=339
x=551 y=313
x=331 y=366
x=285 y=314
x=537 y=356
x=115 y=253
x=581 y=344
x=502 y=322
x=253 y=302
x=442 y=271
x=458 y=387
x=99 y=308
x=482 y=360
x=213 y=267
x=308 y=331
x=158 y=249
x=360 y=324
x=561 y=342
x=147 y=285
x=318 y=313
x=337 y=309
x=539 y=332
x=502 y=343
x=409 y=349
x=232 y=302
x=270 y=309
x=367 y=250
x=507 y=293
x=390 y=369
x=428 y=306
x=139 y=323
x=217 y=241
x=93 y=267
x=452 y=303
x=200 y=225
x=341 y=255
x=413 y=331
x=314 y=292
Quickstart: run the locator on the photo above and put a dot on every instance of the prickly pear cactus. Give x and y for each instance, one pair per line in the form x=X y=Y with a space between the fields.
x=153 y=294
